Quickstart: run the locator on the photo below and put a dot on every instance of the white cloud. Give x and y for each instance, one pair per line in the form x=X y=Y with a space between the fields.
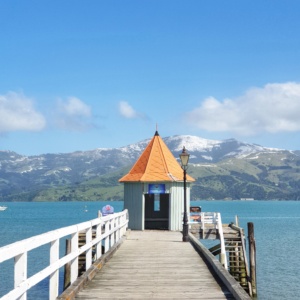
x=73 y=114
x=273 y=108
x=74 y=107
x=17 y=113
x=127 y=111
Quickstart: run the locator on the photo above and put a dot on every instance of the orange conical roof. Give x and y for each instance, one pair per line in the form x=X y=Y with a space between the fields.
x=156 y=163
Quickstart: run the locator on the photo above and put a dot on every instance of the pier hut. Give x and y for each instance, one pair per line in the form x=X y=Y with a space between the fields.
x=153 y=189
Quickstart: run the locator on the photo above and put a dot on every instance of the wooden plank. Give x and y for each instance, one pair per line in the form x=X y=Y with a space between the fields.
x=154 y=265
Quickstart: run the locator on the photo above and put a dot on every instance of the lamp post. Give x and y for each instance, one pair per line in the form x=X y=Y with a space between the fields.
x=184 y=157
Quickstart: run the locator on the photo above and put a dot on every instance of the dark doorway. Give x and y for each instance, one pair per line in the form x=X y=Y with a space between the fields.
x=157 y=211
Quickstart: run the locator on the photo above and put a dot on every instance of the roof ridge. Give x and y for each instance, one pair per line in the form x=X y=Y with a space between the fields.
x=149 y=157
x=161 y=143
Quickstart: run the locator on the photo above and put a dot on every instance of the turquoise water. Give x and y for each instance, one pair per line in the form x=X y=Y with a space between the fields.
x=24 y=220
x=277 y=235
x=276 y=226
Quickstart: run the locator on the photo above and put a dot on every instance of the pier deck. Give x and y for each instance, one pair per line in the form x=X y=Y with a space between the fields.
x=154 y=265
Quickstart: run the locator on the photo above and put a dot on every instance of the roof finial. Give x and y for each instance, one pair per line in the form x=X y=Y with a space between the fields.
x=156 y=132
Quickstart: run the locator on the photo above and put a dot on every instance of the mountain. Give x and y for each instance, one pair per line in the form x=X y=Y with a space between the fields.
x=222 y=169
x=203 y=150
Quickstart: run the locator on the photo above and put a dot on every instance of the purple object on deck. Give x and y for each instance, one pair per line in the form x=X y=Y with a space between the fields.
x=107 y=210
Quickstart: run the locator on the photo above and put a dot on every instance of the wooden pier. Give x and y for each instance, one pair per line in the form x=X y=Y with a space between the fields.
x=231 y=248
x=150 y=264
x=155 y=265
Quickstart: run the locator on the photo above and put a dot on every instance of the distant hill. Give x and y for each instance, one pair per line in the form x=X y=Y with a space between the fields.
x=227 y=169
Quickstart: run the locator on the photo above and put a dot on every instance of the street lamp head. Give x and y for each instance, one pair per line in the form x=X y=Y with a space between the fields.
x=184 y=157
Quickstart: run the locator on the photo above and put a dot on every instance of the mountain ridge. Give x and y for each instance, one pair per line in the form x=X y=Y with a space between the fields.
x=29 y=176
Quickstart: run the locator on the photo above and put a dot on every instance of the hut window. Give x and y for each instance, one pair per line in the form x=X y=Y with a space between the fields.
x=156 y=202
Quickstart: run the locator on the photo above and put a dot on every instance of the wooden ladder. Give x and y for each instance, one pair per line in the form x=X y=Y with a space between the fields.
x=237 y=262
x=237 y=259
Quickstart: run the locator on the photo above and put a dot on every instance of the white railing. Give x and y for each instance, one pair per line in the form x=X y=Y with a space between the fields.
x=214 y=218
x=108 y=229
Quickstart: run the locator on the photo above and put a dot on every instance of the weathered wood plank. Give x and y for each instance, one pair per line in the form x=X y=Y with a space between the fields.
x=154 y=265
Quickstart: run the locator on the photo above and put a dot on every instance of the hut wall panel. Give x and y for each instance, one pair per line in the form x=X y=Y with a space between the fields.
x=134 y=202
x=177 y=205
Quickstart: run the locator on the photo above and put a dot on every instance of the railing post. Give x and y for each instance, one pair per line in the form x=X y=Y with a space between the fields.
x=68 y=265
x=88 y=254
x=112 y=227
x=118 y=233
x=124 y=219
x=223 y=258
x=98 y=245
x=21 y=272
x=127 y=219
x=54 y=277
x=106 y=240
x=74 y=262
x=237 y=221
x=202 y=223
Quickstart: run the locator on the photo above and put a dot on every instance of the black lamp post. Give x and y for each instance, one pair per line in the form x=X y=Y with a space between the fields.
x=184 y=157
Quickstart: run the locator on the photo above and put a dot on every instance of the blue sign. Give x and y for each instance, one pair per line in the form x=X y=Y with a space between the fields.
x=156 y=188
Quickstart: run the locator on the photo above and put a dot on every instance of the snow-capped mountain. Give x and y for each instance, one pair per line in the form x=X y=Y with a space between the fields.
x=103 y=160
x=20 y=173
x=204 y=150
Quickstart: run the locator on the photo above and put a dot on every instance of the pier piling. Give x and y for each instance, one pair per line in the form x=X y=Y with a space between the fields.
x=252 y=258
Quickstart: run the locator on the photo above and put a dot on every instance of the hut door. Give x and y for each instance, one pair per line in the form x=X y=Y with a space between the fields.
x=157 y=211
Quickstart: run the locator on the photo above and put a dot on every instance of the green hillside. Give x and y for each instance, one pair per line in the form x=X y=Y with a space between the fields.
x=103 y=188
x=265 y=178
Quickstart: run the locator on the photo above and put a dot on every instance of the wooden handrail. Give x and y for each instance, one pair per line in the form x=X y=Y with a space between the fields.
x=215 y=219
x=109 y=229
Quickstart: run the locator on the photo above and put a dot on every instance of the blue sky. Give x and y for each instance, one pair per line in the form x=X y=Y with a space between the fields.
x=80 y=75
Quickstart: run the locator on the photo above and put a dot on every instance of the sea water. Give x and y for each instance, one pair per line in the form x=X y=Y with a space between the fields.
x=277 y=236
x=276 y=229
x=27 y=219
